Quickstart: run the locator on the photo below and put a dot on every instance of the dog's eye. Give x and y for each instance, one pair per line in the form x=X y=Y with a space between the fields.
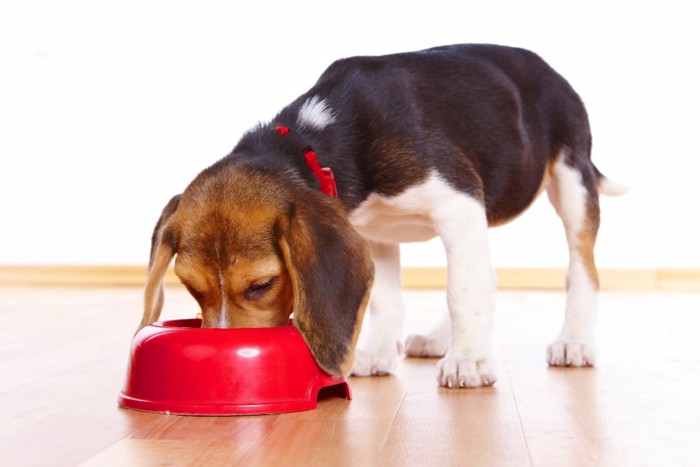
x=194 y=292
x=258 y=290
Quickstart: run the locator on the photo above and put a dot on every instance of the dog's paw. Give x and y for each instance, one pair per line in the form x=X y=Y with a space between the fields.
x=458 y=372
x=376 y=362
x=426 y=346
x=571 y=353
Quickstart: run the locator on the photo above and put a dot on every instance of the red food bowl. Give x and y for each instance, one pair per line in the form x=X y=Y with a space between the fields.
x=180 y=368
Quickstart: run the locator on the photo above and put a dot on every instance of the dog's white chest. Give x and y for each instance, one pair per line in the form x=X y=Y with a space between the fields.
x=405 y=217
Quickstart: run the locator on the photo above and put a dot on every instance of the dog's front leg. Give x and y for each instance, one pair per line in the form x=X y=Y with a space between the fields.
x=471 y=286
x=380 y=343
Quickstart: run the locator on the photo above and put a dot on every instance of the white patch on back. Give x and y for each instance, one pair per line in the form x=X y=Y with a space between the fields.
x=315 y=114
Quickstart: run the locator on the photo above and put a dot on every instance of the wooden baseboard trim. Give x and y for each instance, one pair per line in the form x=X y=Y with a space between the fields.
x=663 y=279
x=78 y=276
x=554 y=279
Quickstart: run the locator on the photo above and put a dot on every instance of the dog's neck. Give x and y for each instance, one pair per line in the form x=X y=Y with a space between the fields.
x=325 y=177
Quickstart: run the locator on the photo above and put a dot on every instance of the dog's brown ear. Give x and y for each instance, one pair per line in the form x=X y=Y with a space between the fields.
x=162 y=252
x=332 y=272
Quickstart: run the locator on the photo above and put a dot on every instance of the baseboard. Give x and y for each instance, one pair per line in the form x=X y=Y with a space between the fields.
x=554 y=279
x=78 y=276
x=508 y=278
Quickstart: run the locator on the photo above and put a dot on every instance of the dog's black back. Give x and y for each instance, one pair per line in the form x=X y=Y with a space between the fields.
x=487 y=118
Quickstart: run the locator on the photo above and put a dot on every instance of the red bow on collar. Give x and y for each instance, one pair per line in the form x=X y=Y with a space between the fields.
x=324 y=175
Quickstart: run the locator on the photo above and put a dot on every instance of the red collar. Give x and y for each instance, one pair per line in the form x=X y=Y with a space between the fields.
x=324 y=175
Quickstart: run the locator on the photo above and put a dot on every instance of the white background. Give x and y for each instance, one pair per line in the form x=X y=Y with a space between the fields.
x=109 y=108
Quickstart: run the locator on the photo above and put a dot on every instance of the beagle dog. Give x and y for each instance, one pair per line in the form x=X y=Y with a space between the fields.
x=443 y=142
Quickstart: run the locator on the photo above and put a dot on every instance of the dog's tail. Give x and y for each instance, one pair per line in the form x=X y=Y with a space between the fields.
x=609 y=187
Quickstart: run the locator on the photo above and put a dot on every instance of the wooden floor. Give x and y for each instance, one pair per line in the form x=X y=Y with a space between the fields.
x=63 y=355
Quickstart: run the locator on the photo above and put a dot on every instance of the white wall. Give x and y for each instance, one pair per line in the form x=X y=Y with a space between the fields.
x=109 y=108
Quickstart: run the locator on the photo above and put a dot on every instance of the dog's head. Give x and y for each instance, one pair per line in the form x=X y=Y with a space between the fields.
x=253 y=250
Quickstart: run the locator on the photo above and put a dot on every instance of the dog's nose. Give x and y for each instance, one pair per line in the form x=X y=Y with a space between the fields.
x=210 y=320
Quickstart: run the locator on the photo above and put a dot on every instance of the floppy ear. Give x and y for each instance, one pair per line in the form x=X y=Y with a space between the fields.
x=162 y=252
x=331 y=272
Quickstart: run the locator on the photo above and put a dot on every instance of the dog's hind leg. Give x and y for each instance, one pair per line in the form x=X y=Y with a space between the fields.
x=379 y=346
x=572 y=191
